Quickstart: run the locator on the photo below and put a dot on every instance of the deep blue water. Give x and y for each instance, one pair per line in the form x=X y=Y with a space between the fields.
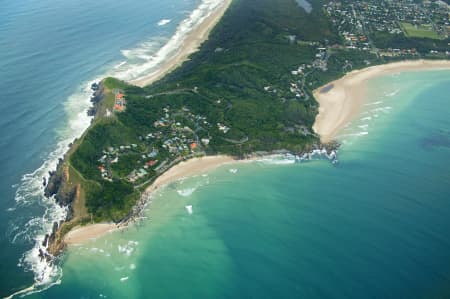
x=373 y=226
x=49 y=51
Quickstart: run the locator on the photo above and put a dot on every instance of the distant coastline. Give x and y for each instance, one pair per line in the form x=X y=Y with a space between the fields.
x=337 y=106
x=81 y=234
x=190 y=45
x=341 y=100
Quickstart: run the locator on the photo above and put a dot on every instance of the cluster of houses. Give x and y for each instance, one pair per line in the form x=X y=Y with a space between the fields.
x=223 y=128
x=174 y=137
x=119 y=101
x=180 y=137
x=297 y=87
x=355 y=20
x=392 y=52
x=350 y=26
x=320 y=62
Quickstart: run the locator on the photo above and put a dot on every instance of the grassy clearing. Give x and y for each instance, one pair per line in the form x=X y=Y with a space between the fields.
x=420 y=31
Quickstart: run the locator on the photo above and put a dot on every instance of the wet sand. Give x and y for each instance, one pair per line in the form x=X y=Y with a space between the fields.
x=341 y=100
x=190 y=45
x=195 y=166
x=82 y=234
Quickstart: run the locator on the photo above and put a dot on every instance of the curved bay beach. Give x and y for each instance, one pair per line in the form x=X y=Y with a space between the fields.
x=191 y=44
x=189 y=168
x=340 y=101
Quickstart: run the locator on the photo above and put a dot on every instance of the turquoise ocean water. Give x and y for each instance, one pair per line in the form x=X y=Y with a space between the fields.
x=50 y=53
x=375 y=225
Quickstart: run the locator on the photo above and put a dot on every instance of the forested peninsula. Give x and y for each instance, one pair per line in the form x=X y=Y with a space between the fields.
x=247 y=91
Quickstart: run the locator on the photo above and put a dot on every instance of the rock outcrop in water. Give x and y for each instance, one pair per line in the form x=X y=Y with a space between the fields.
x=64 y=191
x=59 y=186
x=96 y=98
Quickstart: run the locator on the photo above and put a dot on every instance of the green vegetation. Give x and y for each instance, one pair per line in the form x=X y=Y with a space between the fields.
x=217 y=101
x=420 y=31
x=249 y=88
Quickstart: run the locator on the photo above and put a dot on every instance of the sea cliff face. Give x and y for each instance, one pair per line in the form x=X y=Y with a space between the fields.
x=237 y=113
x=65 y=191
x=59 y=186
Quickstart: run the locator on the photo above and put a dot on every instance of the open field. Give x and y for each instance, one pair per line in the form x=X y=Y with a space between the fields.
x=420 y=31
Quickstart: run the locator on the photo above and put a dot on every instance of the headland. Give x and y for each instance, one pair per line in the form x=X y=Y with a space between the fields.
x=192 y=167
x=248 y=89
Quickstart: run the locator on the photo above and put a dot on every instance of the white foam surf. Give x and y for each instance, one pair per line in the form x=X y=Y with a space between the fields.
x=128 y=248
x=186 y=192
x=382 y=109
x=364 y=127
x=147 y=57
x=164 y=22
x=374 y=103
x=30 y=195
x=289 y=159
x=123 y=279
x=391 y=94
x=139 y=62
x=284 y=159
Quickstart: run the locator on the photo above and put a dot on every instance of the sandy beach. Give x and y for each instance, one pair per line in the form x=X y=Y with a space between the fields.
x=341 y=100
x=82 y=234
x=189 y=168
x=196 y=166
x=190 y=45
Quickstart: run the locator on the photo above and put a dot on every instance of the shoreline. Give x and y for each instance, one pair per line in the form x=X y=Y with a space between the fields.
x=195 y=166
x=82 y=234
x=341 y=100
x=190 y=45
x=189 y=168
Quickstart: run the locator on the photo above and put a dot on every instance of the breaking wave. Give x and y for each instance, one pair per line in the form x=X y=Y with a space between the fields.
x=128 y=248
x=186 y=192
x=391 y=94
x=139 y=62
x=30 y=196
x=289 y=159
x=164 y=22
x=147 y=57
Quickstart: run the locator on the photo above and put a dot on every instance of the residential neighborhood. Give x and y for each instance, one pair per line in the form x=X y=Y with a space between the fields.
x=175 y=136
x=358 y=21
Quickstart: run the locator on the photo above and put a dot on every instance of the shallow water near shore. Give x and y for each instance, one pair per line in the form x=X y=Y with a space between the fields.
x=50 y=53
x=373 y=226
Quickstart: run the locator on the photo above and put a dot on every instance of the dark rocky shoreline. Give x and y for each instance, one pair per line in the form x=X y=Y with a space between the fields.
x=58 y=185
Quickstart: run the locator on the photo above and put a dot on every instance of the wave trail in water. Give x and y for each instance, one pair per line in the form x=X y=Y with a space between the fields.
x=139 y=62
x=164 y=22
x=30 y=193
x=145 y=59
